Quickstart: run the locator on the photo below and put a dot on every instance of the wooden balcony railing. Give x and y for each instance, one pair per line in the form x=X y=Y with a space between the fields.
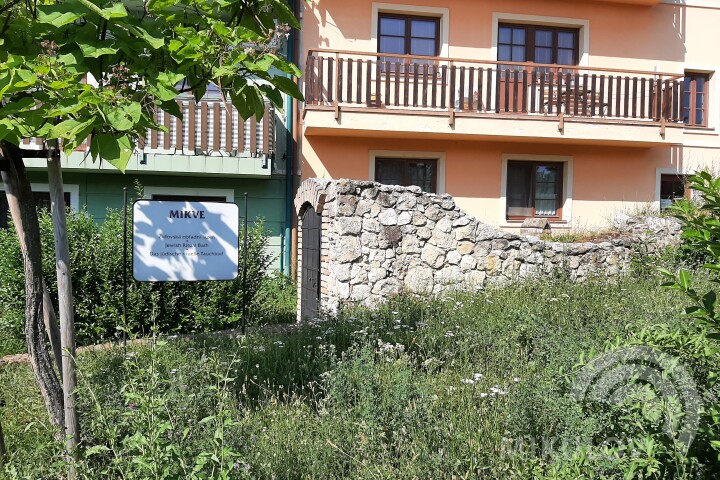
x=208 y=127
x=467 y=87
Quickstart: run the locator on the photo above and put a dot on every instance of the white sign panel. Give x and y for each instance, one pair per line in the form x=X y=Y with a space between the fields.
x=184 y=241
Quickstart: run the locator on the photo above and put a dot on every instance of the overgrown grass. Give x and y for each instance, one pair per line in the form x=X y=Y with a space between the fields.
x=419 y=388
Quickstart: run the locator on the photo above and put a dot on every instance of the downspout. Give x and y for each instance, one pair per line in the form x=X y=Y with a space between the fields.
x=289 y=165
x=295 y=141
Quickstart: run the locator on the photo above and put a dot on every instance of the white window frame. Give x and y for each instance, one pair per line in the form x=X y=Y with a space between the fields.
x=567 y=186
x=582 y=24
x=659 y=172
x=72 y=189
x=228 y=193
x=437 y=12
x=403 y=154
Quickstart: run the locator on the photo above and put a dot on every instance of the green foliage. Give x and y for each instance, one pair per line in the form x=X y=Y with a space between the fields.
x=466 y=385
x=138 y=58
x=12 y=289
x=96 y=268
x=701 y=234
x=637 y=417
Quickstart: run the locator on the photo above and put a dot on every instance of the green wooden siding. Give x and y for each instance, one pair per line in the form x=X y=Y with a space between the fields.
x=266 y=196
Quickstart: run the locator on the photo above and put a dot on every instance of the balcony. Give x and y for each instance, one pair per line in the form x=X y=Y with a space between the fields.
x=212 y=139
x=454 y=98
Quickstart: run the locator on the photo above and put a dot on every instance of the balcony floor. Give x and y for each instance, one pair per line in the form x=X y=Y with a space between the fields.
x=386 y=123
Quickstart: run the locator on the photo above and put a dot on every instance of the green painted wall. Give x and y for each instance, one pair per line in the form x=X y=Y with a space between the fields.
x=266 y=196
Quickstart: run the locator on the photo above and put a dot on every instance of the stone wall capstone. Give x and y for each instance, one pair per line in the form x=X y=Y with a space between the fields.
x=380 y=240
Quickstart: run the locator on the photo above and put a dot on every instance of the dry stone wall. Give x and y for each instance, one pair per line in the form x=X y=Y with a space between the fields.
x=380 y=240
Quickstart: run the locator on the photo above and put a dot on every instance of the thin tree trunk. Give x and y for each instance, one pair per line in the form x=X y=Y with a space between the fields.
x=24 y=216
x=52 y=328
x=65 y=300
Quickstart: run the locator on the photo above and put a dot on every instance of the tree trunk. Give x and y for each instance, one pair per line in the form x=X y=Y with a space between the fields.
x=24 y=216
x=65 y=300
x=52 y=328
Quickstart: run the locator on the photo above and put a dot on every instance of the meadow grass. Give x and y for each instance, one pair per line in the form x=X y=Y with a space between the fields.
x=455 y=386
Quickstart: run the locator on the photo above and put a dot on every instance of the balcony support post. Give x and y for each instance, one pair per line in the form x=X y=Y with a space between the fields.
x=336 y=81
x=561 y=122
x=662 y=126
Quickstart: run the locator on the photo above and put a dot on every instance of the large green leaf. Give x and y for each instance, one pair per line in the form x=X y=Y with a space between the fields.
x=115 y=150
x=123 y=117
x=59 y=14
x=116 y=10
x=284 y=14
x=157 y=5
x=9 y=131
x=20 y=105
x=288 y=86
x=95 y=48
x=69 y=128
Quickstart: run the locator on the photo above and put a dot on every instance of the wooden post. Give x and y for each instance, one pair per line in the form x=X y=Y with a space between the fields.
x=65 y=303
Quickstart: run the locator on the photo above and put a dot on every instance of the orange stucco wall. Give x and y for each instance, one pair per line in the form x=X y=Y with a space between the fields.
x=620 y=35
x=605 y=179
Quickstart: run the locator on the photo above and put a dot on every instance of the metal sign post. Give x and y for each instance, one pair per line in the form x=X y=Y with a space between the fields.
x=124 y=266
x=244 y=273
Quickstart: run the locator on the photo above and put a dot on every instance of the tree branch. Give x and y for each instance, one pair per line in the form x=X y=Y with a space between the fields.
x=7 y=7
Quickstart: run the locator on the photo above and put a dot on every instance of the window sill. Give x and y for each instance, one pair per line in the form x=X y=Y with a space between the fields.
x=700 y=131
x=554 y=224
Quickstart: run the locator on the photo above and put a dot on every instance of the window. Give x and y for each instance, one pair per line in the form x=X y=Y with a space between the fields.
x=695 y=87
x=672 y=187
x=534 y=189
x=189 y=198
x=538 y=44
x=408 y=35
x=42 y=201
x=407 y=172
x=182 y=194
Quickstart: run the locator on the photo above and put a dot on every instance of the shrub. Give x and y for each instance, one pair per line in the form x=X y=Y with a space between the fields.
x=97 y=275
x=652 y=396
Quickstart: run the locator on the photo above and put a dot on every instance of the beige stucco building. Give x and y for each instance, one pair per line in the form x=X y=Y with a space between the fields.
x=572 y=110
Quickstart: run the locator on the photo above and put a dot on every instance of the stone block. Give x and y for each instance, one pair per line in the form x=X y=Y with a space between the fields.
x=419 y=279
x=432 y=256
x=453 y=257
x=376 y=274
x=386 y=287
x=444 y=225
x=349 y=226
x=404 y=218
x=346 y=205
x=443 y=240
x=465 y=248
x=418 y=219
x=449 y=275
x=535 y=227
x=349 y=249
x=467 y=262
x=388 y=217
x=369 y=239
x=406 y=201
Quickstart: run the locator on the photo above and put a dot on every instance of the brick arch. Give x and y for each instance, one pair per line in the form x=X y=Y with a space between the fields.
x=312 y=192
